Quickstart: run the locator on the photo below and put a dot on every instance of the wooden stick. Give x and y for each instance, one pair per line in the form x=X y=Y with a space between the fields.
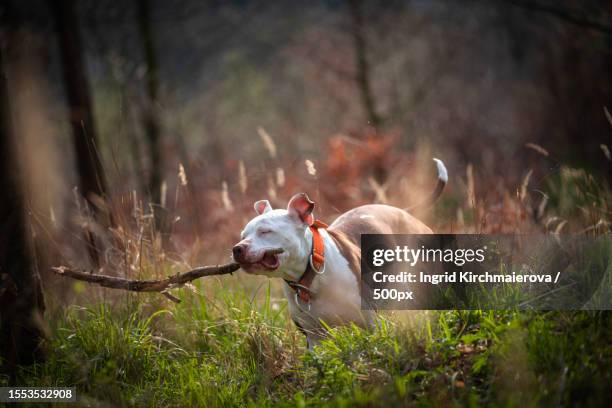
x=162 y=286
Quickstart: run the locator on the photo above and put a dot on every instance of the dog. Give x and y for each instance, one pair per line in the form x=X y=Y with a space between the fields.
x=320 y=264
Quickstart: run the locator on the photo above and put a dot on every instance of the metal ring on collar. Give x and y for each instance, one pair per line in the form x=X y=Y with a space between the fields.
x=297 y=302
x=315 y=269
x=296 y=286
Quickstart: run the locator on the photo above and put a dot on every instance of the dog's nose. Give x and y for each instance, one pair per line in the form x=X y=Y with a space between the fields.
x=238 y=252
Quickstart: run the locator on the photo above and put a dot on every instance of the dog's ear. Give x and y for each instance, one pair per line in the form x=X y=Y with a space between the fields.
x=301 y=206
x=262 y=206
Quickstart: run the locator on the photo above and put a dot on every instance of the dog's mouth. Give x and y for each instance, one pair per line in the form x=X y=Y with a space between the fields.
x=269 y=261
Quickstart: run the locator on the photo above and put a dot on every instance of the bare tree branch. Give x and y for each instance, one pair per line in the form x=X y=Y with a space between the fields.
x=573 y=17
x=162 y=286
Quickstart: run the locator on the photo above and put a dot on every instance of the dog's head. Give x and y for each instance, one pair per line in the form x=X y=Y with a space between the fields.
x=276 y=229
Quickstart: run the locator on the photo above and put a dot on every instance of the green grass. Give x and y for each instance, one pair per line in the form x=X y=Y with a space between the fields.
x=222 y=349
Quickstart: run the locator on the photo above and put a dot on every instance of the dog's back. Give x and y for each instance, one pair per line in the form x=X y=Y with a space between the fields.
x=377 y=219
x=347 y=229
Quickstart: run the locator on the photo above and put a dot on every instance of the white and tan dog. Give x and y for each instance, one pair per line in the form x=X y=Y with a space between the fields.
x=320 y=264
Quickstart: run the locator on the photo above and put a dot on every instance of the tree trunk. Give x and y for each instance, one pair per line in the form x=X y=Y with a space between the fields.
x=362 y=64
x=92 y=181
x=151 y=114
x=21 y=297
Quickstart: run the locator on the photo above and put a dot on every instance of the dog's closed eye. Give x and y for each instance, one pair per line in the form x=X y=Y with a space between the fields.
x=264 y=231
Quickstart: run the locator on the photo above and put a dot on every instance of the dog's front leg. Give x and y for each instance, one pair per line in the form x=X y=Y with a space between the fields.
x=312 y=341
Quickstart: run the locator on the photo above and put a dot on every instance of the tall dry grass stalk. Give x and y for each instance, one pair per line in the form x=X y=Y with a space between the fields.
x=471 y=193
x=280 y=177
x=606 y=151
x=537 y=148
x=608 y=115
x=225 y=198
x=267 y=141
x=523 y=190
x=380 y=190
x=310 y=167
x=182 y=176
x=243 y=181
x=271 y=188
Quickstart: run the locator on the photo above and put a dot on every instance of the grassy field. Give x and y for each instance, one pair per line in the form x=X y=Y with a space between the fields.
x=232 y=344
x=230 y=341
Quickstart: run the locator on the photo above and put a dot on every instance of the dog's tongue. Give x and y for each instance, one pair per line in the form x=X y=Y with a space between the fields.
x=270 y=261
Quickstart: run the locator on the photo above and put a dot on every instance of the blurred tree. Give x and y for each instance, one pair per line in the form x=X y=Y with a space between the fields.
x=151 y=113
x=21 y=297
x=571 y=44
x=562 y=10
x=362 y=64
x=92 y=181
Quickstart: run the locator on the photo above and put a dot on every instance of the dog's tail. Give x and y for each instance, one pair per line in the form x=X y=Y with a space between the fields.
x=440 y=184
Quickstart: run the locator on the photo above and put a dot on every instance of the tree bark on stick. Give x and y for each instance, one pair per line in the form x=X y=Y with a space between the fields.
x=162 y=286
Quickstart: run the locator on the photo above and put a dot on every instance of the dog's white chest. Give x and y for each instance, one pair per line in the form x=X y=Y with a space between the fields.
x=336 y=298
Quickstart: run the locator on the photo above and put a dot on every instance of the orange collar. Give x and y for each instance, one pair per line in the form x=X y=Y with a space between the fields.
x=315 y=266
